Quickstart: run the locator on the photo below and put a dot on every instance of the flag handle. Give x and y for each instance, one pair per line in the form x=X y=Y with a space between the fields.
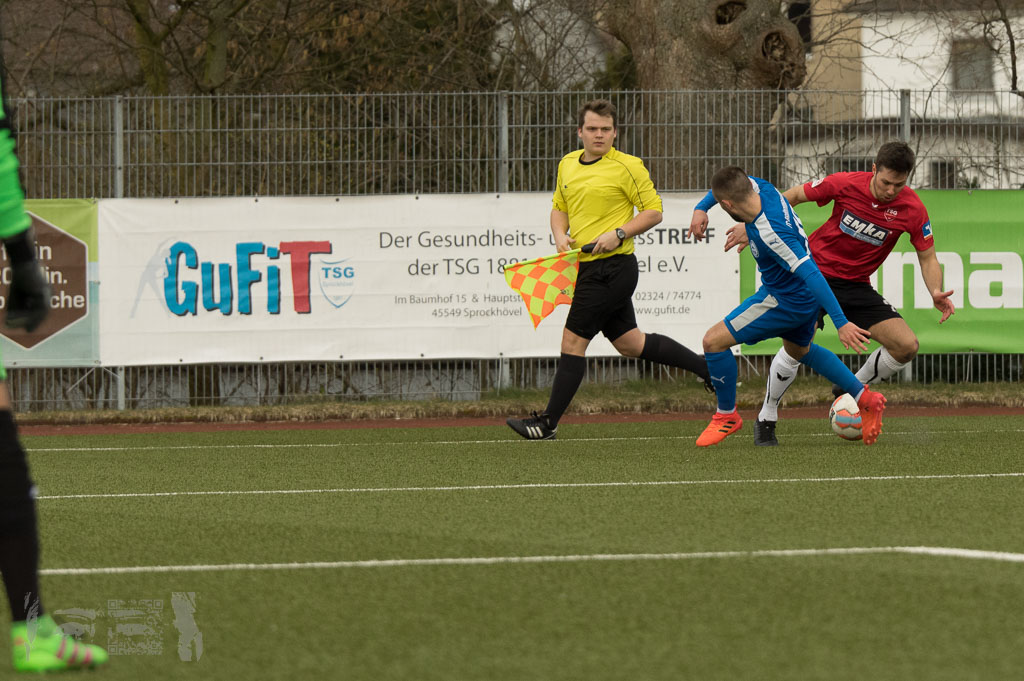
x=586 y=248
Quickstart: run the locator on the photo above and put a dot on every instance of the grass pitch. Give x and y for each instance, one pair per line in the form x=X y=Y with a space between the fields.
x=614 y=552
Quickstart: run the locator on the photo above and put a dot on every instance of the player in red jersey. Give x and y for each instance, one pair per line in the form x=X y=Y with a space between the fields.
x=870 y=212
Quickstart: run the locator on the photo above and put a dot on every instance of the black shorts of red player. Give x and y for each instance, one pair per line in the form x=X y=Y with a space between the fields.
x=861 y=303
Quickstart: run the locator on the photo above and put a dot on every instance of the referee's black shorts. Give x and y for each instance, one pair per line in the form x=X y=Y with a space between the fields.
x=603 y=300
x=861 y=303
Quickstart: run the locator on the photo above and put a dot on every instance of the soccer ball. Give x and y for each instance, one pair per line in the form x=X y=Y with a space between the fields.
x=844 y=415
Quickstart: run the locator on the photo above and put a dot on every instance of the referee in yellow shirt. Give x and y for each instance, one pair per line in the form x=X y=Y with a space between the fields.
x=597 y=191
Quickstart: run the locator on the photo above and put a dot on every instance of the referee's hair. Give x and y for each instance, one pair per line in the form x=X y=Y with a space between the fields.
x=896 y=156
x=602 y=107
x=730 y=183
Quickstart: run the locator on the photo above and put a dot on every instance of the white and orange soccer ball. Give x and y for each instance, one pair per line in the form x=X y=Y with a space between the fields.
x=844 y=415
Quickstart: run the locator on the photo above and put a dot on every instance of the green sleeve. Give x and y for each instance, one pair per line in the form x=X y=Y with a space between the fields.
x=13 y=218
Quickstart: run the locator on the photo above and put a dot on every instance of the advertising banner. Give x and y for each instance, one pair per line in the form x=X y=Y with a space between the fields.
x=979 y=241
x=367 y=278
x=65 y=232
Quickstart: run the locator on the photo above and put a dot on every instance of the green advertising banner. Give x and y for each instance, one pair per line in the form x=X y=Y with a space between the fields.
x=979 y=240
x=66 y=241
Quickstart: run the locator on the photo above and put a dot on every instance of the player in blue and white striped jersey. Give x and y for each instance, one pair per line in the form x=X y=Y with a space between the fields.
x=786 y=306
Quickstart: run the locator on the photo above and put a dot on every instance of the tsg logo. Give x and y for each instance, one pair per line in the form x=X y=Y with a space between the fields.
x=255 y=271
x=337 y=280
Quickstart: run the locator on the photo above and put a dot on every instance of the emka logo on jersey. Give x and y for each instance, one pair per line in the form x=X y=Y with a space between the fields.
x=863 y=229
x=255 y=274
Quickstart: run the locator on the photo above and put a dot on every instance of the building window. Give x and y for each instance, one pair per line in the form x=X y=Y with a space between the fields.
x=972 y=65
x=942 y=174
x=840 y=164
x=800 y=14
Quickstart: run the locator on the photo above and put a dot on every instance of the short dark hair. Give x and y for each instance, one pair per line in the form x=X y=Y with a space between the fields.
x=896 y=156
x=602 y=107
x=730 y=183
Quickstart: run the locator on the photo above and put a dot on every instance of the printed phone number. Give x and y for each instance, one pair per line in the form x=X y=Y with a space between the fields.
x=653 y=296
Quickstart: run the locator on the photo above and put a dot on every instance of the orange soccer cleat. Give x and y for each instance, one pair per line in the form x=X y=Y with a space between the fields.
x=871 y=405
x=721 y=427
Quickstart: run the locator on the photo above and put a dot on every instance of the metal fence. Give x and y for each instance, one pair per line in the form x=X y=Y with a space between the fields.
x=302 y=145
x=414 y=143
x=318 y=382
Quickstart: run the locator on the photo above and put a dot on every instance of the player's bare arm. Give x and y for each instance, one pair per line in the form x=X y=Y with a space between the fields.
x=853 y=337
x=795 y=195
x=931 y=272
x=560 y=230
x=640 y=223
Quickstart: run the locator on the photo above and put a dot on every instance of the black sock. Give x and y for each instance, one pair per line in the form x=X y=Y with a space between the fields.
x=19 y=563
x=19 y=539
x=664 y=350
x=568 y=377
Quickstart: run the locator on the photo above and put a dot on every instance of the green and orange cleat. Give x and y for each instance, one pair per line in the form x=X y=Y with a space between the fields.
x=721 y=427
x=39 y=646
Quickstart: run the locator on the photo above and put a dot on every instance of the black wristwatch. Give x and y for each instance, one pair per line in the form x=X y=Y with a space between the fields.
x=621 y=233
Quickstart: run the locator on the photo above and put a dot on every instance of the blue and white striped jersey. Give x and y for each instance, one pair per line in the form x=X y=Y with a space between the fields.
x=779 y=245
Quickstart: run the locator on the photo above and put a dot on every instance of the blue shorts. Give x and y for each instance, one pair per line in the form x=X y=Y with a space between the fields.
x=762 y=316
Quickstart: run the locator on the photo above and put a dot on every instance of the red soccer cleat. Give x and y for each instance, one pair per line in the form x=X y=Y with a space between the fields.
x=871 y=407
x=721 y=427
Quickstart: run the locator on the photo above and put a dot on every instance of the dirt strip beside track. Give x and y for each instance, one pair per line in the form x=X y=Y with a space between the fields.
x=29 y=428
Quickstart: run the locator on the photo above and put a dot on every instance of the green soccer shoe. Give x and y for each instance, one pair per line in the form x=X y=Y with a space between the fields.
x=40 y=646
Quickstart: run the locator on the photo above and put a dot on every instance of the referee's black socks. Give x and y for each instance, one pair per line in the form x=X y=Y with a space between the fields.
x=664 y=350
x=568 y=376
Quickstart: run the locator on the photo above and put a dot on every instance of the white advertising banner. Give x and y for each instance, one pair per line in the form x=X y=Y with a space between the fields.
x=369 y=278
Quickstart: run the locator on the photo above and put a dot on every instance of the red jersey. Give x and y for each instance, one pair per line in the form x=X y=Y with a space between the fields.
x=861 y=231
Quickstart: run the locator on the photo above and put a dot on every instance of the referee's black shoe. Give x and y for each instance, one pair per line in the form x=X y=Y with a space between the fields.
x=533 y=427
x=764 y=433
x=837 y=391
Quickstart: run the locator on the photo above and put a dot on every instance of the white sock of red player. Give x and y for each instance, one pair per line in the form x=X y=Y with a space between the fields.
x=780 y=377
x=880 y=366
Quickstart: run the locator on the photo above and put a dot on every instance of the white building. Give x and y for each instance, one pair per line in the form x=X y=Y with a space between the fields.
x=950 y=59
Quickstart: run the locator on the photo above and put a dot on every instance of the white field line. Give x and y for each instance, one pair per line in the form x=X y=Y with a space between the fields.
x=539 y=485
x=507 y=441
x=999 y=556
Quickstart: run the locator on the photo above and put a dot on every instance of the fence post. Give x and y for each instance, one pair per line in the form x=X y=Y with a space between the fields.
x=905 y=115
x=504 y=374
x=119 y=147
x=502 y=142
x=120 y=389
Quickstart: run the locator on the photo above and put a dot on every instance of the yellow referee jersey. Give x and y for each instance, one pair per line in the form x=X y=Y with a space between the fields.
x=601 y=195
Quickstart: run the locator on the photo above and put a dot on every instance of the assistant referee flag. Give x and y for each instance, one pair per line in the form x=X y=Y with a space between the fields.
x=545 y=282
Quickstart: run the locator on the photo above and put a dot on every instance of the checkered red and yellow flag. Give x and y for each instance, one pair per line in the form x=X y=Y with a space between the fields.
x=545 y=282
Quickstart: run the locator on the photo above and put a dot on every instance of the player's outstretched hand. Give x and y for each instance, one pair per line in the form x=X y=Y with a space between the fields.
x=699 y=224
x=943 y=304
x=736 y=236
x=28 y=299
x=853 y=337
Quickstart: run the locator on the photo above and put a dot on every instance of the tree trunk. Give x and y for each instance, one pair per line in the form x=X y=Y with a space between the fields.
x=725 y=46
